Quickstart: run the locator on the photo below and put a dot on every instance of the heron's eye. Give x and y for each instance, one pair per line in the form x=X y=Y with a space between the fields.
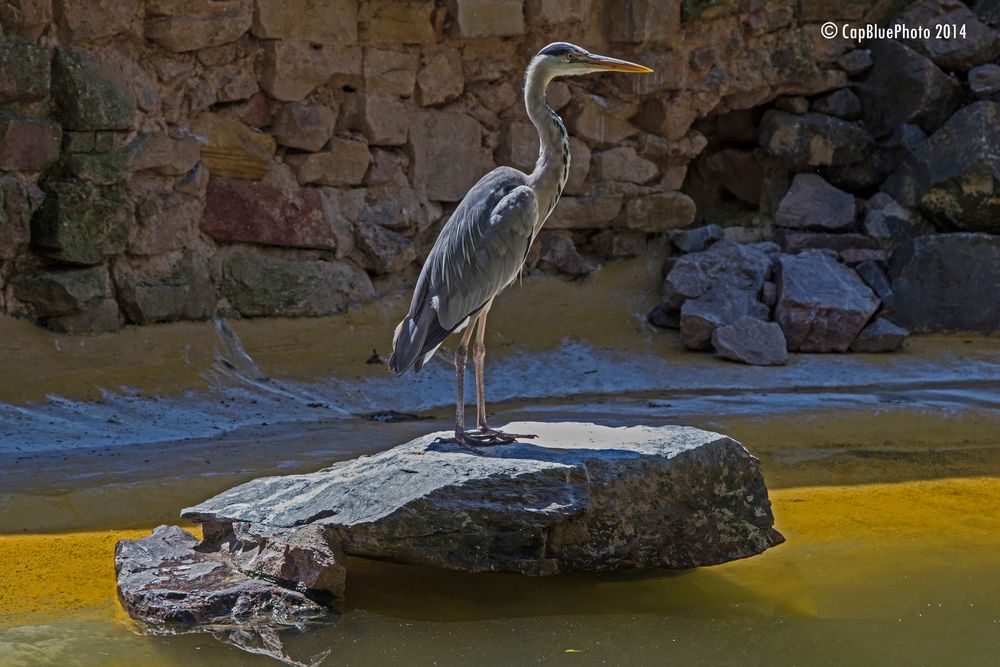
x=570 y=56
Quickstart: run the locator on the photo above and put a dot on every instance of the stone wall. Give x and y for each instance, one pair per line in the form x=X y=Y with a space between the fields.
x=173 y=159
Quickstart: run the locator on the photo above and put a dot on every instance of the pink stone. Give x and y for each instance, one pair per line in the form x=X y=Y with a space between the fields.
x=258 y=213
x=28 y=144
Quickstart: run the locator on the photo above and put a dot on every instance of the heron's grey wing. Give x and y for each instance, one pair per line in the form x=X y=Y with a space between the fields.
x=481 y=255
x=479 y=251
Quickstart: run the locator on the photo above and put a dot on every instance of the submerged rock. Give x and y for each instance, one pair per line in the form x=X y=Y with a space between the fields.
x=880 y=335
x=751 y=341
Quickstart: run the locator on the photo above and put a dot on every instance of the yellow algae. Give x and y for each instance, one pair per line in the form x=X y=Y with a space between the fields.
x=53 y=575
x=847 y=548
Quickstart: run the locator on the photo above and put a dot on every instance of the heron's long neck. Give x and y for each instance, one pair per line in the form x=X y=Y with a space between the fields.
x=552 y=167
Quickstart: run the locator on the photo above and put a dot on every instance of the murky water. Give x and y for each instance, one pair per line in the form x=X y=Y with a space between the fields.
x=884 y=474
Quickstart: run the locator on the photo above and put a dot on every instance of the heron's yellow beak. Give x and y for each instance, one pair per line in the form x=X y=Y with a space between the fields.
x=615 y=65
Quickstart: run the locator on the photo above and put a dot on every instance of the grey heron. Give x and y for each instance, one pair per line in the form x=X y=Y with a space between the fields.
x=483 y=246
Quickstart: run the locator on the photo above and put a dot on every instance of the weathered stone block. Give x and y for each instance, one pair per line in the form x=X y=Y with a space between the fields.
x=488 y=18
x=880 y=335
x=593 y=212
x=319 y=21
x=813 y=139
x=291 y=69
x=696 y=239
x=102 y=317
x=557 y=252
x=26 y=18
x=179 y=288
x=304 y=126
x=579 y=166
x=62 y=291
x=25 y=74
x=28 y=144
x=258 y=285
x=720 y=305
x=976 y=44
x=86 y=21
x=239 y=211
x=384 y=119
x=652 y=22
x=165 y=221
x=82 y=223
x=623 y=164
x=600 y=120
x=19 y=200
x=812 y=203
x=387 y=251
x=659 y=212
x=344 y=164
x=231 y=149
x=518 y=145
x=390 y=72
x=435 y=167
x=725 y=263
x=954 y=176
x=189 y=25
x=87 y=95
x=904 y=87
x=393 y=22
x=613 y=244
x=822 y=304
x=164 y=154
x=440 y=79
x=947 y=282
x=752 y=341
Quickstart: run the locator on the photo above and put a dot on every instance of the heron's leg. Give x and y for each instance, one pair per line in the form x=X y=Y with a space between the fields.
x=478 y=359
x=486 y=434
x=461 y=354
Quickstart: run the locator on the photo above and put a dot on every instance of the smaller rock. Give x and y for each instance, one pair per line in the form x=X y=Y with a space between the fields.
x=167 y=290
x=557 y=252
x=856 y=61
x=876 y=278
x=391 y=22
x=82 y=223
x=518 y=146
x=304 y=126
x=665 y=317
x=751 y=341
x=822 y=304
x=179 y=27
x=194 y=587
x=852 y=256
x=813 y=139
x=697 y=239
x=489 y=18
x=305 y=557
x=291 y=69
x=62 y=291
x=600 y=120
x=593 y=212
x=881 y=335
x=812 y=203
x=623 y=164
x=231 y=149
x=724 y=263
x=613 y=244
x=25 y=75
x=956 y=40
x=440 y=79
x=769 y=294
x=659 y=212
x=28 y=144
x=165 y=154
x=387 y=250
x=383 y=119
x=102 y=317
x=88 y=95
x=720 y=305
x=841 y=103
x=390 y=72
x=887 y=221
x=344 y=164
x=984 y=81
x=795 y=104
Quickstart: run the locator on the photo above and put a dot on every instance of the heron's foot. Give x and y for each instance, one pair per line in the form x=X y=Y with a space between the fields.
x=500 y=436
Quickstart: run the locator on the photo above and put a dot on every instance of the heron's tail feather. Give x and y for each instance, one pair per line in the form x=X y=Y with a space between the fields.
x=407 y=345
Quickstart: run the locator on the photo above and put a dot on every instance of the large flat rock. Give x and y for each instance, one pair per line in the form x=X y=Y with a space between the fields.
x=580 y=497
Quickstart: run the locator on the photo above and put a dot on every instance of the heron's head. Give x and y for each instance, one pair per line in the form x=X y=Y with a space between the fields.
x=565 y=59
